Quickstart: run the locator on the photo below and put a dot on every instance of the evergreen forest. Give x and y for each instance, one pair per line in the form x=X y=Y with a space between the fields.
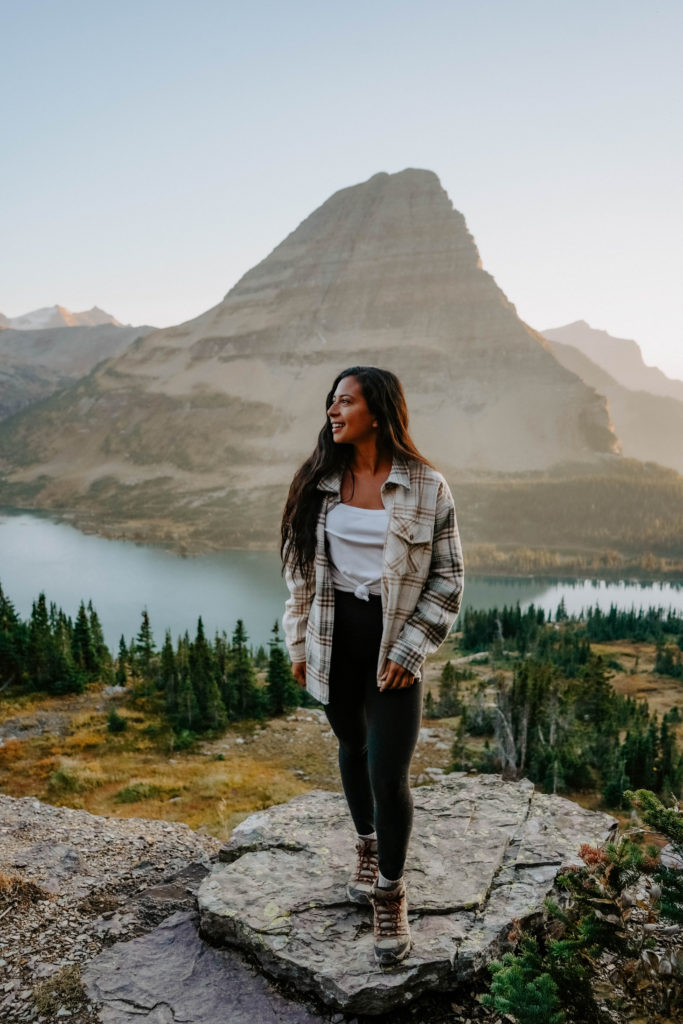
x=528 y=695
x=200 y=684
x=546 y=709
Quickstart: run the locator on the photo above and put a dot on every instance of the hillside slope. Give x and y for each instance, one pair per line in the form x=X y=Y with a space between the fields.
x=620 y=357
x=36 y=363
x=649 y=426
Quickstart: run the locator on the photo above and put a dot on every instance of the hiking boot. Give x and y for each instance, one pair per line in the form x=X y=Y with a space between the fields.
x=392 y=932
x=360 y=886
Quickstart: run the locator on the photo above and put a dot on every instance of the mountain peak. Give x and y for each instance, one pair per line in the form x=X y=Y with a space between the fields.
x=225 y=406
x=364 y=232
x=622 y=358
x=59 y=316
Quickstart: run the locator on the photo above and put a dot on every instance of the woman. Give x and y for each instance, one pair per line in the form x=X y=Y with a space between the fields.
x=374 y=569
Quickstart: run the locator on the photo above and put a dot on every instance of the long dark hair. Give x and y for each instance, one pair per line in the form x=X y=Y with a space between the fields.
x=386 y=401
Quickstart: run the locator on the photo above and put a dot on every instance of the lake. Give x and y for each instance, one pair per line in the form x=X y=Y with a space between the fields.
x=122 y=578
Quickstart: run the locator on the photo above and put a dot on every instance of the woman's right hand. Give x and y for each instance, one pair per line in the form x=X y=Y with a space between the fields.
x=299 y=672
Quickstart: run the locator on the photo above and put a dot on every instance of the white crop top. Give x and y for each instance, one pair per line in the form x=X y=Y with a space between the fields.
x=355 y=544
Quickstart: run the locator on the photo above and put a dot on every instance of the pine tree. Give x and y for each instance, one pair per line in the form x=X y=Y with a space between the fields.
x=617 y=782
x=282 y=691
x=13 y=640
x=459 y=761
x=668 y=821
x=201 y=667
x=522 y=989
x=187 y=709
x=102 y=655
x=212 y=713
x=667 y=761
x=39 y=646
x=449 y=701
x=222 y=661
x=144 y=645
x=242 y=676
x=215 y=716
x=168 y=675
x=261 y=657
x=82 y=647
x=121 y=677
x=65 y=675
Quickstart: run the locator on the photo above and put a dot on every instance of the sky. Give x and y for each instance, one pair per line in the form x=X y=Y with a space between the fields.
x=154 y=150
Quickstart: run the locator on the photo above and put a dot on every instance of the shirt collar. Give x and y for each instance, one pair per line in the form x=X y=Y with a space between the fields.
x=399 y=475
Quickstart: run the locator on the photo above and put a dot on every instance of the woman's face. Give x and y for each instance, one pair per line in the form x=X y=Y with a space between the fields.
x=350 y=419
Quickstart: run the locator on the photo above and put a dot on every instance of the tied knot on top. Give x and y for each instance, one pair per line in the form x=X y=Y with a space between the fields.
x=362 y=592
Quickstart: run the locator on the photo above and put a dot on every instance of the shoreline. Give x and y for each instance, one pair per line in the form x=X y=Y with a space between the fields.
x=564 y=568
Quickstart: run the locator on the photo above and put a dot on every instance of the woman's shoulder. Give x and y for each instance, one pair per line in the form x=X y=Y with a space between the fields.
x=427 y=488
x=421 y=473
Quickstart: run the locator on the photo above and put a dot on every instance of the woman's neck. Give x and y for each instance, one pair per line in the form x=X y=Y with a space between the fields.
x=362 y=482
x=368 y=461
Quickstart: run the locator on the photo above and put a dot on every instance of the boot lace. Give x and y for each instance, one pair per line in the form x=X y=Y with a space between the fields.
x=367 y=865
x=390 y=921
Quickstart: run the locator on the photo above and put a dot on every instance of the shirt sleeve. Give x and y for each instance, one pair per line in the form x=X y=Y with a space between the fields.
x=297 y=609
x=439 y=602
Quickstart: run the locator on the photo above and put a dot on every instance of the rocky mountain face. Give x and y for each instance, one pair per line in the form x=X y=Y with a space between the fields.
x=36 y=363
x=649 y=425
x=58 y=316
x=201 y=426
x=620 y=357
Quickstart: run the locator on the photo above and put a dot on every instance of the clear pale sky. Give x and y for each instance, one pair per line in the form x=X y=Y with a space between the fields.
x=153 y=150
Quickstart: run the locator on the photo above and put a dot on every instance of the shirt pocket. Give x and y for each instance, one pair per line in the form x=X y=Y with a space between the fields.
x=409 y=545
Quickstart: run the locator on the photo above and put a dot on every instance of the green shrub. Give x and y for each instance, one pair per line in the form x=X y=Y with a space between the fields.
x=116 y=722
x=522 y=989
x=184 y=739
x=137 y=791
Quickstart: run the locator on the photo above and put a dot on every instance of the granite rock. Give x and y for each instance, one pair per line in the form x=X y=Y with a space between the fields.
x=170 y=975
x=484 y=854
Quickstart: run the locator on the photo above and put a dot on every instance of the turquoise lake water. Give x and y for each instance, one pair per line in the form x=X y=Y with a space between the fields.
x=122 y=578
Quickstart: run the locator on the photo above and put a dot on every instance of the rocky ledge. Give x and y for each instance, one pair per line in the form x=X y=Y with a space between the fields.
x=484 y=854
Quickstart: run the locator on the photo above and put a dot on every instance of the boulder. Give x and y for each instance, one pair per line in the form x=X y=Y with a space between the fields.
x=484 y=854
x=169 y=975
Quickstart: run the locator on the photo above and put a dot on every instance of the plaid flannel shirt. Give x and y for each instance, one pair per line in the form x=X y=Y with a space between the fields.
x=422 y=577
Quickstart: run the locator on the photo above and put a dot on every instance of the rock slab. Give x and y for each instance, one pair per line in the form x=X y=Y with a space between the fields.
x=170 y=976
x=484 y=853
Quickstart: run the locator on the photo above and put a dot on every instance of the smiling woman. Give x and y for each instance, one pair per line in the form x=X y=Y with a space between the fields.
x=350 y=418
x=373 y=564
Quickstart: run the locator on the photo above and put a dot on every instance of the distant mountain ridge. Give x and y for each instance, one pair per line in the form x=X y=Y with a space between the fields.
x=35 y=364
x=58 y=316
x=620 y=357
x=649 y=426
x=195 y=430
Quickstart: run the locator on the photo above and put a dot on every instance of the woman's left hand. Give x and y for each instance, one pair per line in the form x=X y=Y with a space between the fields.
x=395 y=677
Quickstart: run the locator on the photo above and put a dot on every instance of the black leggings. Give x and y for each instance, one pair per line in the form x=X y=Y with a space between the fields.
x=377 y=731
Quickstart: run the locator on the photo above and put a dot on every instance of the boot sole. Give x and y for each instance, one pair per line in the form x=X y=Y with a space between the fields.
x=396 y=959
x=359 y=898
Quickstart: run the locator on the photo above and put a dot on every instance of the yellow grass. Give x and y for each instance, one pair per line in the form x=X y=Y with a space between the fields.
x=214 y=786
x=639 y=681
x=102 y=772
